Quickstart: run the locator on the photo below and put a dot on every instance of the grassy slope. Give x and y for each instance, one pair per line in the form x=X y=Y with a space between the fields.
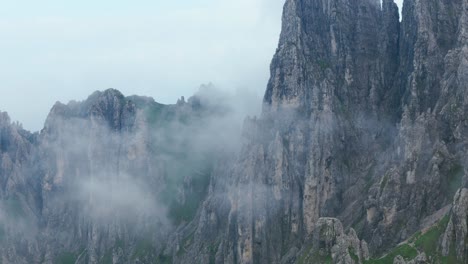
x=427 y=242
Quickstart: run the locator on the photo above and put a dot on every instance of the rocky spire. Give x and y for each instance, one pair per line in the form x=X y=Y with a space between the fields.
x=336 y=54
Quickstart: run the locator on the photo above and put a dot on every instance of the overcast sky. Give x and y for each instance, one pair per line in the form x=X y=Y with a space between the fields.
x=55 y=50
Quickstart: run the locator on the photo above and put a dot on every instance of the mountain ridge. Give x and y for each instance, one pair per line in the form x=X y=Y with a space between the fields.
x=358 y=156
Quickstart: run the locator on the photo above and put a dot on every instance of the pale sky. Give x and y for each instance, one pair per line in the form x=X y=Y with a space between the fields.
x=55 y=50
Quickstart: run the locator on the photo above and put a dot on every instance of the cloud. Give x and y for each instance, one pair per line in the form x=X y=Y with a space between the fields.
x=155 y=169
x=119 y=196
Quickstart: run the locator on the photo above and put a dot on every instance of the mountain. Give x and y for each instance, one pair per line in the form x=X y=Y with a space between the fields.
x=359 y=155
x=109 y=171
x=362 y=129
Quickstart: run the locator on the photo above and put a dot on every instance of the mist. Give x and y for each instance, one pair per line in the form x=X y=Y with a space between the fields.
x=151 y=172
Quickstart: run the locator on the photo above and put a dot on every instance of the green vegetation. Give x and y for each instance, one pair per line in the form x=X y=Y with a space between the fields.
x=318 y=257
x=428 y=241
x=67 y=258
x=406 y=251
x=421 y=242
x=451 y=258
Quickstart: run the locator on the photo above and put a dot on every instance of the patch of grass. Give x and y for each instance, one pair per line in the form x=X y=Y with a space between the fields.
x=317 y=257
x=406 y=251
x=452 y=256
x=67 y=258
x=428 y=241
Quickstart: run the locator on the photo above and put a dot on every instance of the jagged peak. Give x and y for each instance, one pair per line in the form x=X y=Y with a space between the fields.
x=4 y=118
x=107 y=95
x=107 y=92
x=107 y=105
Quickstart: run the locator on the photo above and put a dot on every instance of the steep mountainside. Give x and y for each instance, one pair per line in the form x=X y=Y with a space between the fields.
x=363 y=121
x=359 y=156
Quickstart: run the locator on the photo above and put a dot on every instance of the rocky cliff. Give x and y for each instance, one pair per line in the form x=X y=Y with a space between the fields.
x=359 y=156
x=363 y=121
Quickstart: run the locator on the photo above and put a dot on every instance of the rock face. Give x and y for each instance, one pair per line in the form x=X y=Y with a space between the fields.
x=363 y=120
x=359 y=154
x=331 y=244
x=455 y=238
